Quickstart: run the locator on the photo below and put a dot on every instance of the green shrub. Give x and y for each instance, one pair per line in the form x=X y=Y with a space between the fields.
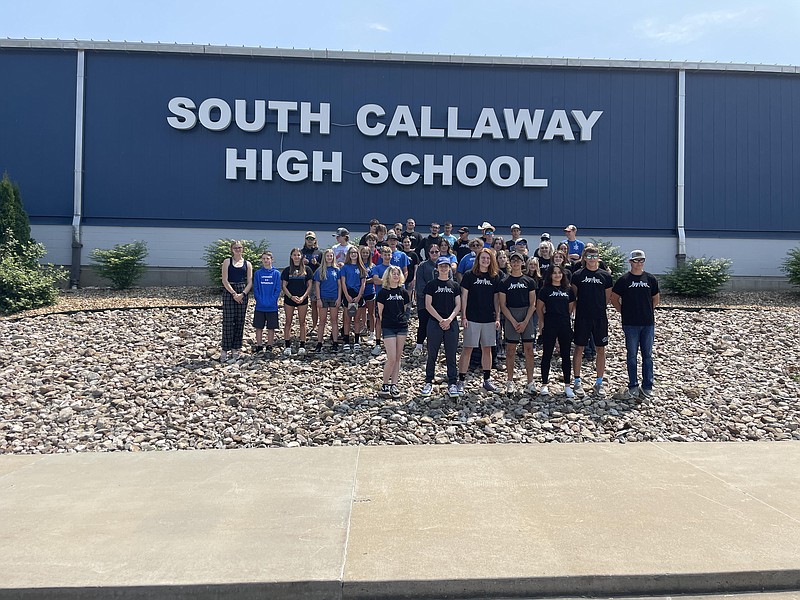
x=791 y=266
x=123 y=264
x=216 y=252
x=13 y=218
x=612 y=256
x=698 y=276
x=24 y=283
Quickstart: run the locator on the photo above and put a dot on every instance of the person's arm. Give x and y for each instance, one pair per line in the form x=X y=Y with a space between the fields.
x=343 y=289
x=309 y=283
x=572 y=308
x=225 y=283
x=656 y=299
x=531 y=309
x=316 y=293
x=338 y=294
x=249 y=285
x=608 y=296
x=361 y=289
x=616 y=302
x=464 y=300
x=497 y=310
x=505 y=311
x=540 y=313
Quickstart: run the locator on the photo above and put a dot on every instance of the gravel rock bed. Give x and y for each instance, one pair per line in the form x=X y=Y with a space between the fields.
x=131 y=380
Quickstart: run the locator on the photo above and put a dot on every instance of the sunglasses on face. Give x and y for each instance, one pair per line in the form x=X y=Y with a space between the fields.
x=592 y=257
x=637 y=260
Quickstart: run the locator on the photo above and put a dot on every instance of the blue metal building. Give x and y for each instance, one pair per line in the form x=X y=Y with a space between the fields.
x=179 y=145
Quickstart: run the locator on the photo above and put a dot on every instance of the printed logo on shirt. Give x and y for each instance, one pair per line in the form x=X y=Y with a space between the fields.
x=483 y=282
x=394 y=297
x=559 y=294
x=639 y=284
x=596 y=280
x=444 y=290
x=517 y=286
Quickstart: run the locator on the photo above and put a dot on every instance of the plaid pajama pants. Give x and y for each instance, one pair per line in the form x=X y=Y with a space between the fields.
x=233 y=315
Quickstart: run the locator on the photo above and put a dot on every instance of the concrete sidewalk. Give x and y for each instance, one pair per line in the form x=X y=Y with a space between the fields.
x=387 y=522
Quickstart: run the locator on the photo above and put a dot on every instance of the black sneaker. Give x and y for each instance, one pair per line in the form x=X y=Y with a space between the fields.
x=318 y=349
x=385 y=391
x=259 y=349
x=335 y=347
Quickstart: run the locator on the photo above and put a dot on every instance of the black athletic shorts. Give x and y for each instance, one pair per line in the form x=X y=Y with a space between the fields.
x=353 y=293
x=265 y=320
x=591 y=327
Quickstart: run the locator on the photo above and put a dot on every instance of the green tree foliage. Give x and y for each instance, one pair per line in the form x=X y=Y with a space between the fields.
x=612 y=256
x=13 y=217
x=216 y=252
x=791 y=266
x=123 y=264
x=698 y=276
x=24 y=283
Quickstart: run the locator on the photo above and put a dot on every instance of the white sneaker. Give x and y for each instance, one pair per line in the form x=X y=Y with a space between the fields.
x=346 y=348
x=509 y=387
x=453 y=392
x=544 y=391
x=376 y=350
x=371 y=337
x=301 y=351
x=417 y=350
x=531 y=387
x=288 y=351
x=599 y=391
x=577 y=387
x=568 y=391
x=356 y=347
x=627 y=393
x=223 y=356
x=426 y=390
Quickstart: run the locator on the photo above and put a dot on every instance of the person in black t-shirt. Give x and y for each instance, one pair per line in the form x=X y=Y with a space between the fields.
x=415 y=236
x=391 y=302
x=461 y=247
x=518 y=304
x=555 y=304
x=592 y=288
x=443 y=303
x=480 y=314
x=296 y=283
x=635 y=295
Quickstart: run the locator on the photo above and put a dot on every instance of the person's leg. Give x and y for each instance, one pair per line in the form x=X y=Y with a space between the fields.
x=288 y=315
x=399 y=342
x=302 y=311
x=391 y=357
x=511 y=353
x=239 y=315
x=548 y=345
x=577 y=360
x=422 y=330
x=646 y=344
x=527 y=348
x=463 y=361
x=435 y=339
x=601 y=361
x=334 y=313
x=323 y=321
x=564 y=342
x=346 y=322
x=632 y=335
x=450 y=348
x=259 y=338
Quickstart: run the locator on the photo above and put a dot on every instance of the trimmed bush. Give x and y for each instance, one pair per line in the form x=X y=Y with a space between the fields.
x=13 y=218
x=24 y=283
x=123 y=264
x=791 y=266
x=216 y=252
x=612 y=256
x=698 y=276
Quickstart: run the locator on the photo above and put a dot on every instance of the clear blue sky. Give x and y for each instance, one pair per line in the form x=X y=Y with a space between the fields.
x=714 y=30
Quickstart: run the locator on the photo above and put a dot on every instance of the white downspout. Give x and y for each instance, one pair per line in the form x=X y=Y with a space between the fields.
x=77 y=199
x=681 y=215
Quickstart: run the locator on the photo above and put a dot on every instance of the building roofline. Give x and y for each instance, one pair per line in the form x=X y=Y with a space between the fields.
x=452 y=59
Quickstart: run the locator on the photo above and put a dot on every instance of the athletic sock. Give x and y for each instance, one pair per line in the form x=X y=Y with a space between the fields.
x=577 y=380
x=598 y=381
x=462 y=376
x=288 y=343
x=486 y=374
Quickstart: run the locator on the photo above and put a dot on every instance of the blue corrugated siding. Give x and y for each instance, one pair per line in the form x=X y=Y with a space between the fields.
x=137 y=167
x=37 y=128
x=743 y=160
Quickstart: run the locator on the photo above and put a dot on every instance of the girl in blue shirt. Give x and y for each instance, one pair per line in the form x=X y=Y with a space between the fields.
x=353 y=279
x=329 y=295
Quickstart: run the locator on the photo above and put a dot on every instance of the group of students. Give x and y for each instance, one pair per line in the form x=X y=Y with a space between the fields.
x=492 y=289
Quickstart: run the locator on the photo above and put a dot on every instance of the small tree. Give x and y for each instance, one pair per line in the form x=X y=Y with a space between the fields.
x=24 y=283
x=612 y=256
x=698 y=276
x=791 y=266
x=123 y=264
x=216 y=252
x=13 y=217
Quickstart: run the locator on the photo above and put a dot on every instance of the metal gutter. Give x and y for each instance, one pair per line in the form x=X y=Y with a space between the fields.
x=452 y=59
x=77 y=200
x=680 y=213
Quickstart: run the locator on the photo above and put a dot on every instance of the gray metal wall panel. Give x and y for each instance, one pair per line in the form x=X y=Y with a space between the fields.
x=742 y=153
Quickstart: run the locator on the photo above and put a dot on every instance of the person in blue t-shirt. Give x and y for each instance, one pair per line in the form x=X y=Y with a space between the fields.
x=329 y=295
x=465 y=264
x=366 y=324
x=575 y=245
x=266 y=290
x=353 y=280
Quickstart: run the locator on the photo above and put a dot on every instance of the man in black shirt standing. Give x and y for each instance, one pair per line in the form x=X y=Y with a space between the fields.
x=461 y=247
x=592 y=287
x=635 y=295
x=433 y=238
x=416 y=236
